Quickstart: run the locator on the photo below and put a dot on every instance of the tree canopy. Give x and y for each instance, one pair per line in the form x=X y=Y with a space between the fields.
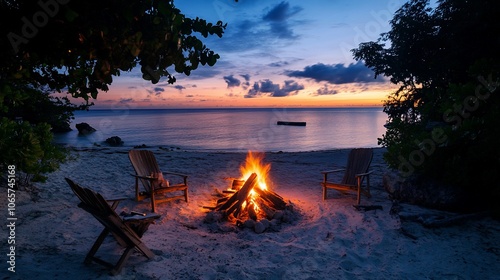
x=76 y=47
x=444 y=119
x=79 y=46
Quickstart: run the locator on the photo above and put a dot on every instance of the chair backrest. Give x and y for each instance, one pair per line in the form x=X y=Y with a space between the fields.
x=90 y=201
x=145 y=164
x=358 y=162
x=96 y=205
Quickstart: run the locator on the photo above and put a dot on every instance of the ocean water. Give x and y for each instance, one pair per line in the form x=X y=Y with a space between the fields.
x=233 y=129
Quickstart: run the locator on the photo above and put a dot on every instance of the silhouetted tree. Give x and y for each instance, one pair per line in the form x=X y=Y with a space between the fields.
x=444 y=120
x=77 y=47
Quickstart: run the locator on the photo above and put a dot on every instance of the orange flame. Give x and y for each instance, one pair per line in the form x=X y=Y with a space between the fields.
x=254 y=164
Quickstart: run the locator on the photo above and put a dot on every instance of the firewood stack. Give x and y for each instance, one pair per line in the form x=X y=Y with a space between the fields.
x=260 y=211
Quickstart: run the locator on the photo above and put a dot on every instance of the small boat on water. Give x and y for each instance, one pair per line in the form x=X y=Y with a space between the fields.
x=292 y=123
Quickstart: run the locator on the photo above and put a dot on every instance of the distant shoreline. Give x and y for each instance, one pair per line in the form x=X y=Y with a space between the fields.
x=125 y=149
x=166 y=148
x=231 y=108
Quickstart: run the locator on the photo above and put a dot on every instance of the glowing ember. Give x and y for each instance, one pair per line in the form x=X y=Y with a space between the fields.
x=249 y=202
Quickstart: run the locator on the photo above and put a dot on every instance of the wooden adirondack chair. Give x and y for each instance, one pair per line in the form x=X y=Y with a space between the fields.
x=127 y=231
x=156 y=187
x=357 y=169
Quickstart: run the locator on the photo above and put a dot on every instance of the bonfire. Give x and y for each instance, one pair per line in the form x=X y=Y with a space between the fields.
x=248 y=202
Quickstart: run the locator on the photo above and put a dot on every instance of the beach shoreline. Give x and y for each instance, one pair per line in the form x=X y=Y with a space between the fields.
x=331 y=240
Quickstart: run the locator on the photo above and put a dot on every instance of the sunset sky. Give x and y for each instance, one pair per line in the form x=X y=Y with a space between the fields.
x=273 y=54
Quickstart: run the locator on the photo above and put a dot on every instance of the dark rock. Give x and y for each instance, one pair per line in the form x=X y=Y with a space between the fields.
x=141 y=146
x=60 y=128
x=114 y=141
x=84 y=128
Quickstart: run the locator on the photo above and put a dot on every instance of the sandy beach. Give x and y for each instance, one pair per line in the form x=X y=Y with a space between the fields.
x=329 y=240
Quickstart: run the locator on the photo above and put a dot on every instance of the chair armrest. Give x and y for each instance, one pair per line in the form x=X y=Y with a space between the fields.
x=144 y=177
x=175 y=173
x=116 y=199
x=363 y=174
x=137 y=218
x=325 y=173
x=332 y=171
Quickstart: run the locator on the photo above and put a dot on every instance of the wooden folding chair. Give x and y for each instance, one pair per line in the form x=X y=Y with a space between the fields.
x=356 y=171
x=151 y=177
x=127 y=231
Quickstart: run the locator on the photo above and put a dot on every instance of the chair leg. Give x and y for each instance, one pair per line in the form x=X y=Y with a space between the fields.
x=136 y=189
x=368 y=185
x=325 y=178
x=145 y=250
x=359 y=190
x=118 y=267
x=153 y=202
x=115 y=269
x=186 y=195
x=95 y=247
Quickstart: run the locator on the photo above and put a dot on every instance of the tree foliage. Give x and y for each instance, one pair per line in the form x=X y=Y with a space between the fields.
x=76 y=47
x=79 y=46
x=444 y=120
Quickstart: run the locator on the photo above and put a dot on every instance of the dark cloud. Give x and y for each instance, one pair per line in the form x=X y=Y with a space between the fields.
x=325 y=90
x=268 y=88
x=232 y=81
x=272 y=30
x=246 y=83
x=158 y=90
x=179 y=87
x=278 y=18
x=246 y=77
x=126 y=100
x=337 y=73
x=280 y=12
x=254 y=91
x=289 y=88
x=244 y=35
x=278 y=64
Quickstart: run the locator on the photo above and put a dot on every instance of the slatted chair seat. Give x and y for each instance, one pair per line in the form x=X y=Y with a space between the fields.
x=127 y=231
x=354 y=174
x=156 y=186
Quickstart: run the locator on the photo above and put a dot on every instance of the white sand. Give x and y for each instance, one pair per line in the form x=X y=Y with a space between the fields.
x=331 y=240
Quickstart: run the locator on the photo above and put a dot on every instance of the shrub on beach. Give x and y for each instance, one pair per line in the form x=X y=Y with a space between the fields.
x=29 y=147
x=444 y=119
x=28 y=116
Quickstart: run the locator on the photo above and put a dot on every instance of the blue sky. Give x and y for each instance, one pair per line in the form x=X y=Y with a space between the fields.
x=273 y=54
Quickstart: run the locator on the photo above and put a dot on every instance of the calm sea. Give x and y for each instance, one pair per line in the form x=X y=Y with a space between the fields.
x=233 y=129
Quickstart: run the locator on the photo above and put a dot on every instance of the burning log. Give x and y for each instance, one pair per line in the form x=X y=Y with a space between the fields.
x=237 y=184
x=251 y=211
x=268 y=211
x=272 y=198
x=233 y=204
x=268 y=202
x=249 y=203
